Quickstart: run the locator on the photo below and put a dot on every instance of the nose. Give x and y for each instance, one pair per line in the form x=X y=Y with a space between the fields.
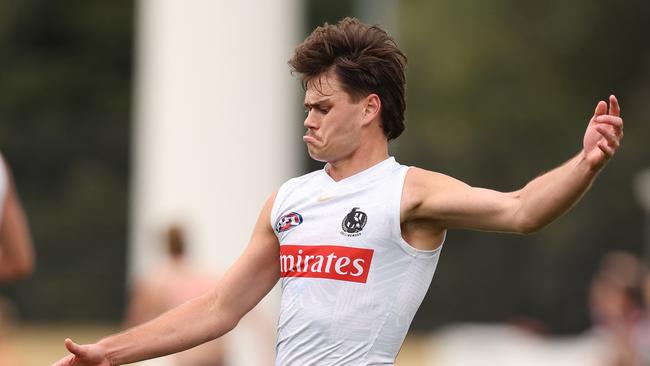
x=310 y=121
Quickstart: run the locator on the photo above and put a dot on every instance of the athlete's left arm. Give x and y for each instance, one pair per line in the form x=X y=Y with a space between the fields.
x=449 y=203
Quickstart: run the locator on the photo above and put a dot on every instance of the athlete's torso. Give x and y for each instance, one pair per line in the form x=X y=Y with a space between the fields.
x=350 y=284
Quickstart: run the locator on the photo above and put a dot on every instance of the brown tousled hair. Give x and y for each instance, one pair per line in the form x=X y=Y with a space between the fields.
x=175 y=241
x=365 y=60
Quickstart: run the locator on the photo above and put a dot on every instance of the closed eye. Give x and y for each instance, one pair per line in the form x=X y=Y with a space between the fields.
x=318 y=107
x=319 y=110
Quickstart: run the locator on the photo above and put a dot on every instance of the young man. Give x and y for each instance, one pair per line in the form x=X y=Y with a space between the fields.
x=357 y=243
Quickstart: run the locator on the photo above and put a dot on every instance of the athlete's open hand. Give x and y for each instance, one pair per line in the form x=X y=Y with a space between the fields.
x=604 y=133
x=83 y=355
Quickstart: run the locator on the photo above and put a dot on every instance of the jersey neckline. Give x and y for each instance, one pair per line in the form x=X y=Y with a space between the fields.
x=362 y=177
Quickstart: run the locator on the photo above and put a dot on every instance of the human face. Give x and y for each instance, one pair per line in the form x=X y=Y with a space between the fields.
x=333 y=120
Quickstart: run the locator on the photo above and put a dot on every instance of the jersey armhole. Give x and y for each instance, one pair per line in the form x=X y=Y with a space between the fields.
x=280 y=197
x=397 y=222
x=275 y=208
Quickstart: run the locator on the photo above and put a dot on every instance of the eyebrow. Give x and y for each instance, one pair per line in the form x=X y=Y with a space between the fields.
x=318 y=103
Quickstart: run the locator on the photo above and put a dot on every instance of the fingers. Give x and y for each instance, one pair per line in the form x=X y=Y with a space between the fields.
x=601 y=108
x=611 y=141
x=610 y=136
x=606 y=149
x=614 y=107
x=610 y=120
x=66 y=361
x=608 y=123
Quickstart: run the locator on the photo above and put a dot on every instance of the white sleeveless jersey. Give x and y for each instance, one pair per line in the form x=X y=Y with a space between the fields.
x=350 y=284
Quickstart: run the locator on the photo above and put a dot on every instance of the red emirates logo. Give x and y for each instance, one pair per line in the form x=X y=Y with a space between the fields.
x=325 y=261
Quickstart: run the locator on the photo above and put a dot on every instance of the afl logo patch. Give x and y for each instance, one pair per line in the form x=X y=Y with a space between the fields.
x=354 y=222
x=288 y=221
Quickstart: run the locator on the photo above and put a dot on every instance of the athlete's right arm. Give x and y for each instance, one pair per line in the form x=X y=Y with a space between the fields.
x=197 y=321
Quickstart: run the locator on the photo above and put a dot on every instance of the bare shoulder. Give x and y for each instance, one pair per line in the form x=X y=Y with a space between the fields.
x=268 y=205
x=421 y=222
x=426 y=178
x=422 y=185
x=265 y=214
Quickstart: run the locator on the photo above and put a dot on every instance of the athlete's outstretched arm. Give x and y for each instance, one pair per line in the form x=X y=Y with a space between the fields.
x=16 y=251
x=197 y=321
x=449 y=203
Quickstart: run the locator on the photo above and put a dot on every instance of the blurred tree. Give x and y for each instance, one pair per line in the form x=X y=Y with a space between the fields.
x=500 y=91
x=65 y=99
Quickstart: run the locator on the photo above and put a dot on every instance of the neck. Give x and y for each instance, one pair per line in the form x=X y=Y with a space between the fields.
x=358 y=161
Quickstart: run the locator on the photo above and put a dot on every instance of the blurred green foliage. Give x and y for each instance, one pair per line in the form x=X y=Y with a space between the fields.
x=500 y=91
x=65 y=101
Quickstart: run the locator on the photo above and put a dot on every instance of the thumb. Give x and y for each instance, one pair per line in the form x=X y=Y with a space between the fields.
x=73 y=347
x=601 y=108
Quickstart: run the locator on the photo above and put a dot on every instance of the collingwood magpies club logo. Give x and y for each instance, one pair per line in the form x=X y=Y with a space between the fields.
x=354 y=222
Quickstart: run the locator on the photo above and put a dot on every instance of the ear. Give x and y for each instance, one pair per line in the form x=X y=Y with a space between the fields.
x=371 y=109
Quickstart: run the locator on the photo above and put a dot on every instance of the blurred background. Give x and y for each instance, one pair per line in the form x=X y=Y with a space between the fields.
x=117 y=124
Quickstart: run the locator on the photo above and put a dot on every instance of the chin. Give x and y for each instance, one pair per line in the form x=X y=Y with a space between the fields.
x=316 y=156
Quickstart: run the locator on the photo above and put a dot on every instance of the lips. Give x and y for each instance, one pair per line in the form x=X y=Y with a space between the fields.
x=309 y=139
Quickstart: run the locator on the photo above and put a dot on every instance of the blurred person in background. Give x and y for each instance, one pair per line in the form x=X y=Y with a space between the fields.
x=618 y=311
x=16 y=256
x=16 y=251
x=355 y=245
x=645 y=322
x=8 y=355
x=170 y=284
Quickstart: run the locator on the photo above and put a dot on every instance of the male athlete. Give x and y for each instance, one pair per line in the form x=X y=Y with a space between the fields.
x=355 y=245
